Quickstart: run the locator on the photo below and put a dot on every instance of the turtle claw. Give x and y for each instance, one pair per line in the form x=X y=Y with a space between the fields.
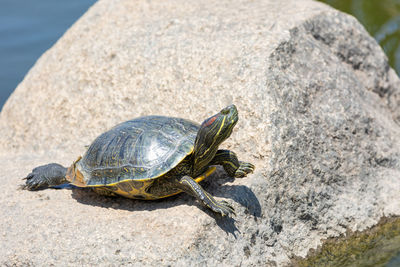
x=244 y=169
x=222 y=207
x=227 y=208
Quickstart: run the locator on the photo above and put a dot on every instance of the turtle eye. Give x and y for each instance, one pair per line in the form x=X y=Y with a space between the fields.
x=225 y=111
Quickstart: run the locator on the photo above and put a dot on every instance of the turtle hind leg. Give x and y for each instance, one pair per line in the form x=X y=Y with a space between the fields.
x=190 y=186
x=231 y=164
x=45 y=176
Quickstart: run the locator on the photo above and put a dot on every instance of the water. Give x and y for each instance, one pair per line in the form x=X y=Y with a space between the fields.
x=27 y=29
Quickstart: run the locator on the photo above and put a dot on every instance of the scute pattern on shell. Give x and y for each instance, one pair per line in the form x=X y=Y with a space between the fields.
x=139 y=149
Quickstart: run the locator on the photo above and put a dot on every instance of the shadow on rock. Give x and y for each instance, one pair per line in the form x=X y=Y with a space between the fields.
x=238 y=193
x=89 y=197
x=241 y=194
x=245 y=197
x=227 y=224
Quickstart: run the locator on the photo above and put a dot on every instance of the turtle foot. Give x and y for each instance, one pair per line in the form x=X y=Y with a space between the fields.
x=222 y=207
x=44 y=176
x=244 y=169
x=190 y=186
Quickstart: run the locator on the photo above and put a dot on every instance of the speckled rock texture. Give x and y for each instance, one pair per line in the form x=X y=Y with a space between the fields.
x=319 y=111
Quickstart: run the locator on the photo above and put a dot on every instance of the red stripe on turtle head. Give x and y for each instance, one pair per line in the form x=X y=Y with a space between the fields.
x=209 y=121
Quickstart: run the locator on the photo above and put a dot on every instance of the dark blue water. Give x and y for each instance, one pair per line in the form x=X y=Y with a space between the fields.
x=27 y=29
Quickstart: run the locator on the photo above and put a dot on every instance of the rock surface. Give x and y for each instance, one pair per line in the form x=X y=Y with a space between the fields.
x=319 y=117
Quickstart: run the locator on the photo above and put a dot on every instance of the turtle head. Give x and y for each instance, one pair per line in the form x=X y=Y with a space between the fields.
x=213 y=131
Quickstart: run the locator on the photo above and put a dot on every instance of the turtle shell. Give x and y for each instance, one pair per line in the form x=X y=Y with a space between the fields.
x=140 y=149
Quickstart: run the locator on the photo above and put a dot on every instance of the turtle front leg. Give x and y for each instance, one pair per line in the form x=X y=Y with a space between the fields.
x=231 y=164
x=45 y=176
x=190 y=186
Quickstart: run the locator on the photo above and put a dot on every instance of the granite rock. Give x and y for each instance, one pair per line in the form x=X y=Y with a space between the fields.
x=319 y=111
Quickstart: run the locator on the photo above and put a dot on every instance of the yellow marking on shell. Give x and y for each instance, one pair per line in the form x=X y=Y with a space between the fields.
x=145 y=179
x=141 y=192
x=137 y=180
x=124 y=181
x=135 y=193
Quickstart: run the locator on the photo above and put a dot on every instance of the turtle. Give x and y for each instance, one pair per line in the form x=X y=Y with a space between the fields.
x=152 y=157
